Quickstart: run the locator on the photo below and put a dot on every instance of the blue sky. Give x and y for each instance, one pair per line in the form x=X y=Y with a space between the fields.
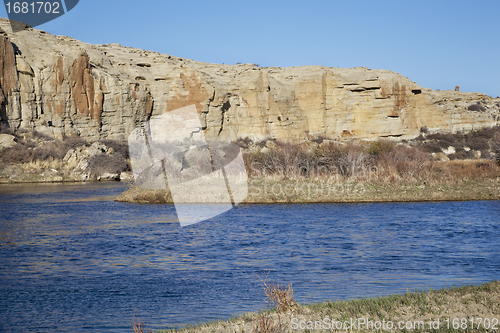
x=438 y=44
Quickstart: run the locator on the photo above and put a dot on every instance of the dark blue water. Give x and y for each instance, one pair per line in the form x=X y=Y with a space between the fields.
x=72 y=260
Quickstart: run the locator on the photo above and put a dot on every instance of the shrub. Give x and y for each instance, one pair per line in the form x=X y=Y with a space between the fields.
x=112 y=163
x=38 y=135
x=431 y=147
x=19 y=153
x=460 y=170
x=279 y=296
x=404 y=162
x=460 y=155
x=351 y=161
x=118 y=146
x=495 y=147
x=244 y=143
x=420 y=138
x=476 y=107
x=381 y=146
x=444 y=140
x=265 y=323
x=73 y=142
x=475 y=140
x=283 y=159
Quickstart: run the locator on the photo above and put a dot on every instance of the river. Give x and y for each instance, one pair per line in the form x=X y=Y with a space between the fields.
x=73 y=260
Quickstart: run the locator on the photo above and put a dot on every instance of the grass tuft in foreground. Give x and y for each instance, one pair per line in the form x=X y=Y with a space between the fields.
x=455 y=309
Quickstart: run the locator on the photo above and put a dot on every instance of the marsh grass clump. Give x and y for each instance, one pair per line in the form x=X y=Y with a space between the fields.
x=280 y=297
x=265 y=323
x=140 y=327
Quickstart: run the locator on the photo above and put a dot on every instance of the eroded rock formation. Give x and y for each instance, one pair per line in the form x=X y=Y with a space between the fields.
x=63 y=87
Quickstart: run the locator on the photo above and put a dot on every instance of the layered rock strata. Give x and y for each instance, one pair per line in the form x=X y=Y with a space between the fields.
x=63 y=87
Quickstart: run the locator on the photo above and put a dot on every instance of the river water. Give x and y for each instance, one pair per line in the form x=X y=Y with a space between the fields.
x=73 y=260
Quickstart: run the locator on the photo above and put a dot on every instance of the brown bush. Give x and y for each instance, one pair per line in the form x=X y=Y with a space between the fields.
x=461 y=155
x=380 y=147
x=345 y=159
x=403 y=162
x=73 y=142
x=351 y=160
x=19 y=153
x=476 y=107
x=118 y=146
x=25 y=152
x=244 y=143
x=480 y=140
x=431 y=147
x=444 y=140
x=461 y=170
x=111 y=163
x=496 y=151
x=284 y=159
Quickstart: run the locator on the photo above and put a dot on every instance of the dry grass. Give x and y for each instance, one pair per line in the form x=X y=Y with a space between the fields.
x=280 y=300
x=266 y=323
x=384 y=161
x=39 y=165
x=470 y=302
x=279 y=296
x=139 y=326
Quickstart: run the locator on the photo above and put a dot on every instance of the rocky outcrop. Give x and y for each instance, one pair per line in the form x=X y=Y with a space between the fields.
x=63 y=87
x=96 y=161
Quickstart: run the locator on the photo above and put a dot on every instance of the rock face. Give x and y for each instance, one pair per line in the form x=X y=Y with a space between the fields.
x=61 y=86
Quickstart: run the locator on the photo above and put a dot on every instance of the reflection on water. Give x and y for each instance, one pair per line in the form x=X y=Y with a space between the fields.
x=73 y=260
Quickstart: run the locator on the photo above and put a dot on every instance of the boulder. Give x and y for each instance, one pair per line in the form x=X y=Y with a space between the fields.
x=450 y=150
x=7 y=141
x=440 y=157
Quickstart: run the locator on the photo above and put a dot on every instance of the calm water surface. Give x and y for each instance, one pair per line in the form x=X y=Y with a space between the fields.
x=72 y=260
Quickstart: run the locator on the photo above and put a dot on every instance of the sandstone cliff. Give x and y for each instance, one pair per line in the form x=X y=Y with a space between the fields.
x=63 y=87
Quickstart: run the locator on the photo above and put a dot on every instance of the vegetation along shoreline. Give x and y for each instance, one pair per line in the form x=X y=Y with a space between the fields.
x=432 y=167
x=468 y=308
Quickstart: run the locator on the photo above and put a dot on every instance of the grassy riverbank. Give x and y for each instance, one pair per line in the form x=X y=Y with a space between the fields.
x=317 y=191
x=432 y=167
x=360 y=171
x=421 y=311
